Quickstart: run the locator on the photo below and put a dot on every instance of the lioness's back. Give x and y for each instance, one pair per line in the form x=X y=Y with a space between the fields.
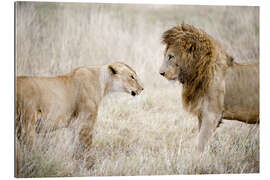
x=25 y=87
x=37 y=91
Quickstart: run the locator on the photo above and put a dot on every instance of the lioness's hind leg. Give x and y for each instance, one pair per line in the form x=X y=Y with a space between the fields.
x=25 y=128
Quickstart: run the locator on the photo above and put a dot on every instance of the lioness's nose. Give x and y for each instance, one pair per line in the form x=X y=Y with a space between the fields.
x=162 y=74
x=133 y=93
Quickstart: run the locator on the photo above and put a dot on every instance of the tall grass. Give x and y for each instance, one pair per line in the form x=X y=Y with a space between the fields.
x=151 y=135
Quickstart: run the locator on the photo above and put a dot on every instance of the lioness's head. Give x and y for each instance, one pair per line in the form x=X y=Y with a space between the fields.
x=124 y=79
x=190 y=53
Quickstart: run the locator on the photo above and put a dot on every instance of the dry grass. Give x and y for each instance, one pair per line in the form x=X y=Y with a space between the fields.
x=150 y=135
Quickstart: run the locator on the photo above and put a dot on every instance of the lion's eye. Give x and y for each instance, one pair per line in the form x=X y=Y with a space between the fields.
x=170 y=57
x=132 y=77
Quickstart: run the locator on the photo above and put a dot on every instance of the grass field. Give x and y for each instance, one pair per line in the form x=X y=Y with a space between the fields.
x=148 y=135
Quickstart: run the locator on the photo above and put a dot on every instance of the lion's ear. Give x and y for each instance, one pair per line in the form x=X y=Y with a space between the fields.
x=230 y=60
x=191 y=47
x=112 y=69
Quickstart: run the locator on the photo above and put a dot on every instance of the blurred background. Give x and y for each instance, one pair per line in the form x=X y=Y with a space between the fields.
x=54 y=38
x=151 y=135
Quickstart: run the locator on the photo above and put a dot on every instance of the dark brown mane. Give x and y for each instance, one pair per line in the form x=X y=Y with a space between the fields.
x=201 y=54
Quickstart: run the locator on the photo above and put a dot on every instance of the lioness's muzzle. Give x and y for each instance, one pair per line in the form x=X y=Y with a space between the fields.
x=133 y=93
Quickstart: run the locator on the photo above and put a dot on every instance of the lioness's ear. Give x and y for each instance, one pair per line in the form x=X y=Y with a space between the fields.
x=112 y=69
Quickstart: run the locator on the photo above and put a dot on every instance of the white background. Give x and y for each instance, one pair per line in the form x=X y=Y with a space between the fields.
x=7 y=87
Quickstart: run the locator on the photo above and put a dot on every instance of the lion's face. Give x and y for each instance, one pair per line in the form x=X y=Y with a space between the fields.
x=124 y=79
x=172 y=64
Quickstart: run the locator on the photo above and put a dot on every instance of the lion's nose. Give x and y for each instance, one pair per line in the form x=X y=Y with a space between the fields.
x=162 y=74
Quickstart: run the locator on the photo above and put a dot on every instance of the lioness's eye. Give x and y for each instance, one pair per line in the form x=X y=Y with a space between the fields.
x=170 y=57
x=132 y=77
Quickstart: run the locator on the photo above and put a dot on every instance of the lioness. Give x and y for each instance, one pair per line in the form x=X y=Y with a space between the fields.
x=46 y=103
x=214 y=86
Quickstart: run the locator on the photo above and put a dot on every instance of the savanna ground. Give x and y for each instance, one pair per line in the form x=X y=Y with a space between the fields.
x=148 y=135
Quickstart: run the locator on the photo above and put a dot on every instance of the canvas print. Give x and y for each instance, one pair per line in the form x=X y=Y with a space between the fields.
x=136 y=89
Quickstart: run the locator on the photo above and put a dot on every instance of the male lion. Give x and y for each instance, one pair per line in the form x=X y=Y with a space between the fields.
x=47 y=103
x=214 y=86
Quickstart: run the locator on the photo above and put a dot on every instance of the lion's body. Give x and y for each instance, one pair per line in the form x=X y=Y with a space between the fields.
x=241 y=101
x=48 y=103
x=214 y=86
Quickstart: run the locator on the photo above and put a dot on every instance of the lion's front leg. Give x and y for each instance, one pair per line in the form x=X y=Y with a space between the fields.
x=208 y=124
x=210 y=116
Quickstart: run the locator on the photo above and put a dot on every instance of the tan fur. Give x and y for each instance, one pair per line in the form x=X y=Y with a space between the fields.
x=241 y=100
x=48 y=103
x=210 y=78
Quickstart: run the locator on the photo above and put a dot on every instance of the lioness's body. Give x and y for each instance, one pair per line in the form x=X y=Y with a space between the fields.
x=244 y=107
x=46 y=103
x=59 y=99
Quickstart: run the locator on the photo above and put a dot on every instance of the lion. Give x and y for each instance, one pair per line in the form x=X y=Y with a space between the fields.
x=47 y=103
x=215 y=87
